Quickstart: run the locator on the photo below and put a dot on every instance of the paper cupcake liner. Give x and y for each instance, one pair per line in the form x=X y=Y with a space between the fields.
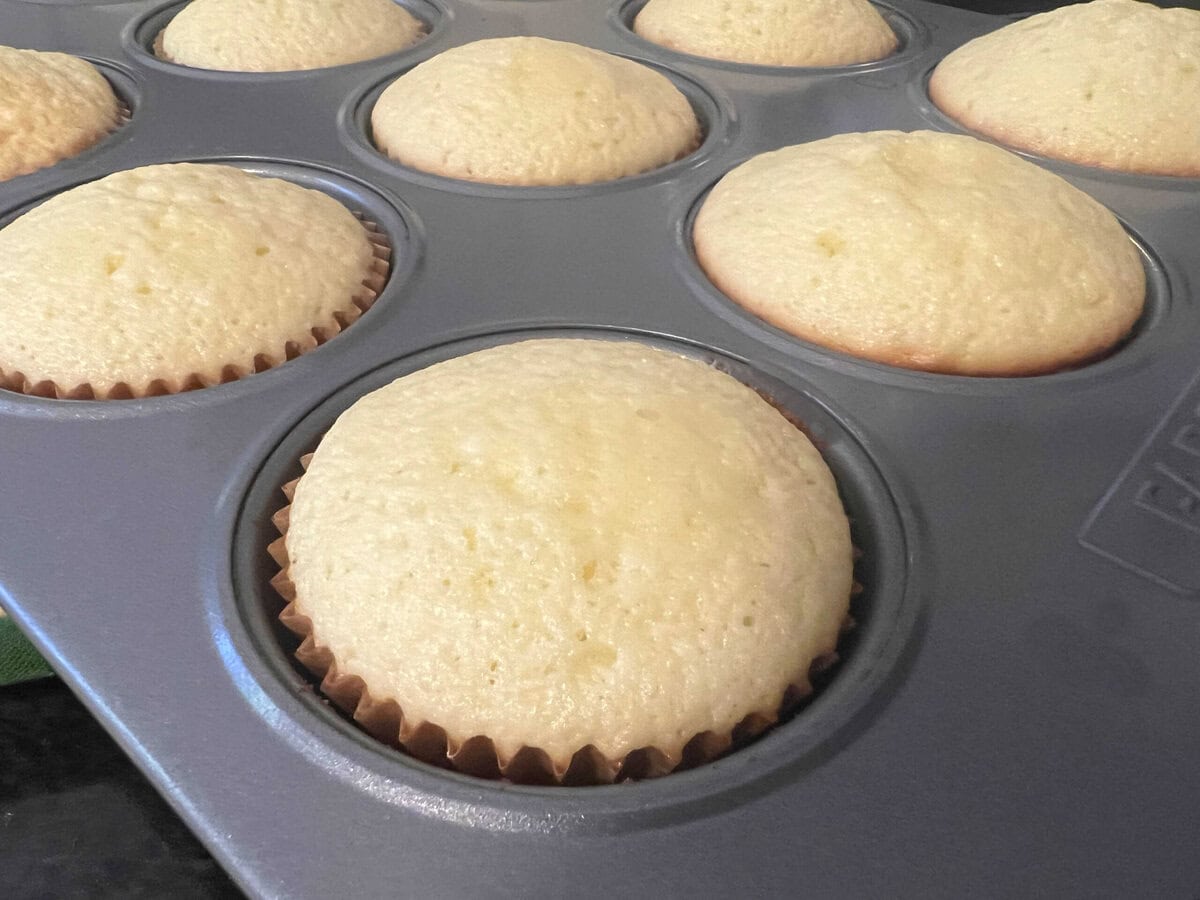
x=124 y=117
x=372 y=283
x=478 y=755
x=124 y=114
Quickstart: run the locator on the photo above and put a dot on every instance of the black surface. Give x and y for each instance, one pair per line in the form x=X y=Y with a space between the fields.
x=77 y=819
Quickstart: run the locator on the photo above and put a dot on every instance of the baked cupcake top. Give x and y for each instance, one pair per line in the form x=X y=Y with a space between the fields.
x=561 y=543
x=530 y=111
x=52 y=106
x=925 y=250
x=149 y=278
x=770 y=32
x=1113 y=83
x=286 y=35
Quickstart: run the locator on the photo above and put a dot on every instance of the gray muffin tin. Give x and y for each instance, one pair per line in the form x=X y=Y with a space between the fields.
x=1015 y=714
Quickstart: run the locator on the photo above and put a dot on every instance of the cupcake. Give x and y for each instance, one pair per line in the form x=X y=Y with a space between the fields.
x=171 y=277
x=52 y=106
x=925 y=250
x=1113 y=83
x=565 y=561
x=529 y=111
x=770 y=32
x=285 y=35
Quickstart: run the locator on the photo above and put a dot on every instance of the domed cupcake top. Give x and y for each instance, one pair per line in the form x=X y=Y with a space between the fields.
x=565 y=544
x=52 y=106
x=531 y=111
x=286 y=35
x=162 y=277
x=1112 y=83
x=925 y=250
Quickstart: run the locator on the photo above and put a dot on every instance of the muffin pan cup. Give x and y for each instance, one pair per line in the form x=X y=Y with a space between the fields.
x=1015 y=712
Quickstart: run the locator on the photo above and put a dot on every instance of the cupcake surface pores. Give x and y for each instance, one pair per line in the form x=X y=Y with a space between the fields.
x=770 y=32
x=165 y=273
x=530 y=111
x=286 y=35
x=1113 y=83
x=925 y=250
x=569 y=543
x=52 y=106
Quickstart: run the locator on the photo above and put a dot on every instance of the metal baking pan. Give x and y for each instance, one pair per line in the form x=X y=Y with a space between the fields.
x=1016 y=712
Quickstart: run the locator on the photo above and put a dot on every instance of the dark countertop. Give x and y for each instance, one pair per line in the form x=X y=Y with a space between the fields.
x=77 y=819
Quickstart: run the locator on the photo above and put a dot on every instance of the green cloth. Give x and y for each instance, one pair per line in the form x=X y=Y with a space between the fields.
x=18 y=660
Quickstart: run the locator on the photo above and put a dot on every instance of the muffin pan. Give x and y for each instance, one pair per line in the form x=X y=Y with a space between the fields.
x=1015 y=711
